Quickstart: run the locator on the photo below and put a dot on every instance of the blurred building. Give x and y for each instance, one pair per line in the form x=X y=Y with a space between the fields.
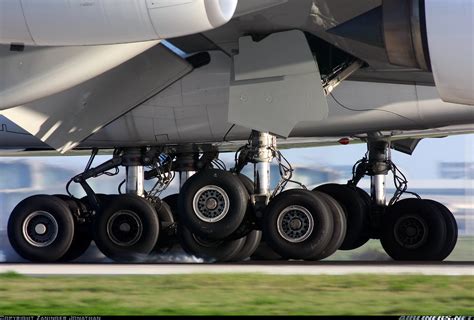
x=456 y=170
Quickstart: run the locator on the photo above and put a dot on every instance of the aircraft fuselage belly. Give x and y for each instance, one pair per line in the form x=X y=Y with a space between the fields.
x=195 y=110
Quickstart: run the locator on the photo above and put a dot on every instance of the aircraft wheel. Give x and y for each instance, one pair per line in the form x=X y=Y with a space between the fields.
x=102 y=198
x=248 y=225
x=451 y=230
x=298 y=224
x=172 y=202
x=340 y=227
x=167 y=237
x=414 y=230
x=213 y=250
x=41 y=228
x=369 y=233
x=213 y=203
x=364 y=196
x=126 y=227
x=265 y=253
x=82 y=229
x=252 y=241
x=356 y=213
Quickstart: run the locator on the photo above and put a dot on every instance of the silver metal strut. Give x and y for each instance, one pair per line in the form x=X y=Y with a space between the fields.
x=262 y=145
x=378 y=190
x=379 y=166
x=135 y=180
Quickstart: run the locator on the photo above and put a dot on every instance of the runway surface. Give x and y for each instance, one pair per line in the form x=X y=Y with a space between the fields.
x=279 y=268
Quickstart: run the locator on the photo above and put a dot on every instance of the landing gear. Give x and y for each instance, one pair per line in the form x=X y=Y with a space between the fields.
x=224 y=224
x=41 y=228
x=408 y=229
x=451 y=230
x=298 y=224
x=415 y=230
x=126 y=228
x=210 y=250
x=167 y=235
x=82 y=229
x=223 y=216
x=340 y=227
x=213 y=203
x=355 y=210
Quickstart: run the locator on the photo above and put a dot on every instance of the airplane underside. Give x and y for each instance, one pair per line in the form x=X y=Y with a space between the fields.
x=269 y=86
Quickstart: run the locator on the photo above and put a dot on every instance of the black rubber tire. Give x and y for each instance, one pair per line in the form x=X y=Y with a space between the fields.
x=249 y=223
x=364 y=196
x=148 y=218
x=167 y=237
x=209 y=250
x=429 y=248
x=368 y=232
x=247 y=182
x=81 y=242
x=316 y=242
x=252 y=241
x=358 y=227
x=65 y=233
x=254 y=237
x=82 y=230
x=102 y=198
x=237 y=207
x=172 y=202
x=451 y=230
x=340 y=227
x=265 y=253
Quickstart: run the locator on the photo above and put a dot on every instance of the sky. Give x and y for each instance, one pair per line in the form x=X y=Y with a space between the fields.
x=423 y=164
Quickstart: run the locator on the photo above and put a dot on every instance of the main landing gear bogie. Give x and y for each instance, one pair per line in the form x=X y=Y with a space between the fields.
x=220 y=215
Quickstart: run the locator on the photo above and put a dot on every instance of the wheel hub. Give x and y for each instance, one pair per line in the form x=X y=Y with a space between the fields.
x=40 y=229
x=211 y=204
x=124 y=228
x=411 y=232
x=295 y=224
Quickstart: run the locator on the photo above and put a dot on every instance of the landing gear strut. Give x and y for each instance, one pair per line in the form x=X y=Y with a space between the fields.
x=125 y=226
x=409 y=228
x=222 y=215
x=297 y=224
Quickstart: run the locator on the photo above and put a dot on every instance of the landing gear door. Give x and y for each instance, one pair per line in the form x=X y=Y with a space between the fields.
x=276 y=84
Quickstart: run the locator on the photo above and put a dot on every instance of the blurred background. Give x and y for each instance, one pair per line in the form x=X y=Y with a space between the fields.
x=440 y=169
